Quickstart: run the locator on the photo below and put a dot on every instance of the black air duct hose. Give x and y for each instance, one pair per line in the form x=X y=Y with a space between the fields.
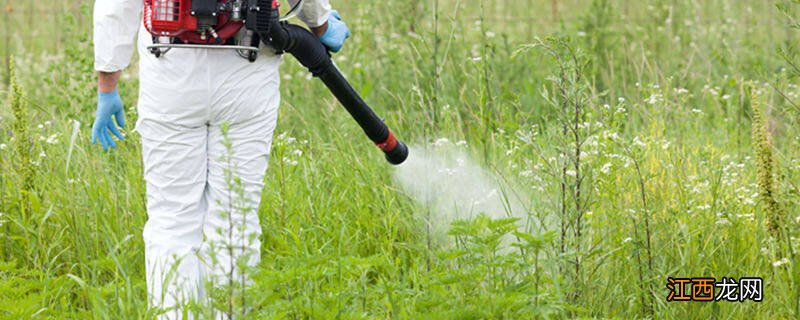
x=312 y=54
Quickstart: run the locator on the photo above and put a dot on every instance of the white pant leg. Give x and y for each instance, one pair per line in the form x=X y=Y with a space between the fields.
x=173 y=116
x=175 y=173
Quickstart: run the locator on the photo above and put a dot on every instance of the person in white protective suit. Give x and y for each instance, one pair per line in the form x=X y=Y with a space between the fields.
x=185 y=98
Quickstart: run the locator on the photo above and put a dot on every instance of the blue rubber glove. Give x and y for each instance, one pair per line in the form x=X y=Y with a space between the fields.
x=333 y=38
x=108 y=104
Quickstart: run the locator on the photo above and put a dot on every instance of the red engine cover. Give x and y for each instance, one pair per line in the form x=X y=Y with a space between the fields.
x=172 y=18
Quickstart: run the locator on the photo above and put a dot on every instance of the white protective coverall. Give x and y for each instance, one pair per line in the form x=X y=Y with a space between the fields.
x=185 y=98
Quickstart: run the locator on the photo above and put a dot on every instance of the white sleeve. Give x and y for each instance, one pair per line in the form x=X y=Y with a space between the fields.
x=314 y=12
x=115 y=25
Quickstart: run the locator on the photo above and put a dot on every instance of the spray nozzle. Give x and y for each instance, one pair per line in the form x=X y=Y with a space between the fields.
x=398 y=154
x=395 y=150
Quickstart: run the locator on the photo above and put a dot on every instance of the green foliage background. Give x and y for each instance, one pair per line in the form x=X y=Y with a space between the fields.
x=666 y=86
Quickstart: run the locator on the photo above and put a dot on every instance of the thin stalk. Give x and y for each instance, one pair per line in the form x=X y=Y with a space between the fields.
x=642 y=289
x=487 y=104
x=428 y=238
x=646 y=216
x=7 y=45
x=648 y=251
x=229 y=245
x=578 y=107
x=245 y=256
x=435 y=62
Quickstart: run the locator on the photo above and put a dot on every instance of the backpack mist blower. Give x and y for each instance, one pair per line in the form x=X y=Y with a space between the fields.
x=242 y=25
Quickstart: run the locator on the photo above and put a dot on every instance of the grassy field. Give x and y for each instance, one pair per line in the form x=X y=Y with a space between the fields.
x=646 y=140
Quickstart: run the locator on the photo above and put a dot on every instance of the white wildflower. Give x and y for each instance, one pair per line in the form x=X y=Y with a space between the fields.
x=598 y=124
x=3 y=146
x=606 y=167
x=626 y=240
x=441 y=142
x=723 y=221
x=611 y=135
x=638 y=142
x=781 y=262
x=681 y=90
x=653 y=99
x=53 y=139
x=289 y=161
x=526 y=173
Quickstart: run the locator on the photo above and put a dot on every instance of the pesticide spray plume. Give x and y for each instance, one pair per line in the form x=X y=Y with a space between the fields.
x=446 y=181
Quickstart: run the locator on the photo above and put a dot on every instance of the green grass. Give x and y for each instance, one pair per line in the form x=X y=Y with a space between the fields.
x=342 y=239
